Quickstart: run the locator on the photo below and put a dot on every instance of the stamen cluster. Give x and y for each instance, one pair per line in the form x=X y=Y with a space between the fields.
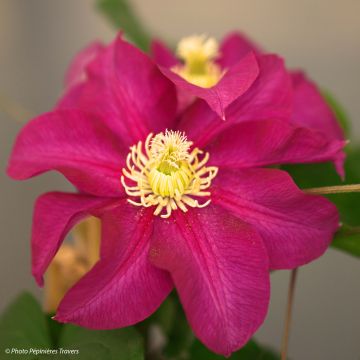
x=199 y=54
x=166 y=174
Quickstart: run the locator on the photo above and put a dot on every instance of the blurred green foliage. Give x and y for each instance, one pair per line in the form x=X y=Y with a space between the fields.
x=181 y=343
x=122 y=16
x=23 y=325
x=348 y=239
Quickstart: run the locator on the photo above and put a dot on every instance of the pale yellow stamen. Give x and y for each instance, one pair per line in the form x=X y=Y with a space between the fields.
x=167 y=174
x=199 y=54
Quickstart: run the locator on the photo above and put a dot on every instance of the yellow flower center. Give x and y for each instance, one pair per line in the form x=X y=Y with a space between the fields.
x=198 y=54
x=166 y=174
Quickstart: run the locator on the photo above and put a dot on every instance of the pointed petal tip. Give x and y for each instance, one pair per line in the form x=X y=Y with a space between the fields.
x=339 y=160
x=215 y=320
x=38 y=277
x=59 y=319
x=39 y=280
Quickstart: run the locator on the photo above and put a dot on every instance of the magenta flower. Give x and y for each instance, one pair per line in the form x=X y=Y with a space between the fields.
x=180 y=207
x=200 y=74
x=309 y=107
x=275 y=92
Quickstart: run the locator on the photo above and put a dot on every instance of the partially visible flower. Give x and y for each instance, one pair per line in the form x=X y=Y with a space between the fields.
x=298 y=99
x=309 y=107
x=198 y=54
x=198 y=71
x=71 y=262
x=194 y=209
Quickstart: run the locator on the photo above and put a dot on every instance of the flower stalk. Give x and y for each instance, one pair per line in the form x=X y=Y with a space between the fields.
x=290 y=302
x=339 y=189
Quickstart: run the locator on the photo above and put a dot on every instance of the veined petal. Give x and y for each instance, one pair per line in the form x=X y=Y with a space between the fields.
x=76 y=71
x=270 y=97
x=54 y=215
x=296 y=227
x=129 y=92
x=235 y=82
x=76 y=144
x=123 y=288
x=233 y=47
x=220 y=269
x=271 y=142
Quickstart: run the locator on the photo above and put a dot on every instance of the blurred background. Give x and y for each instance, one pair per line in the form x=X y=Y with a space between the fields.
x=38 y=39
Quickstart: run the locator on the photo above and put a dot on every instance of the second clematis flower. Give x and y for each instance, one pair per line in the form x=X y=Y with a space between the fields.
x=277 y=92
x=178 y=207
x=199 y=72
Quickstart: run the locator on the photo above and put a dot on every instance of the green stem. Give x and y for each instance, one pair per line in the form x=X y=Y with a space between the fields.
x=339 y=189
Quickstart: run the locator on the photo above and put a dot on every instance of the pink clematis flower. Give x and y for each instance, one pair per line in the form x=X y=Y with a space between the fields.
x=276 y=92
x=309 y=107
x=180 y=207
x=197 y=72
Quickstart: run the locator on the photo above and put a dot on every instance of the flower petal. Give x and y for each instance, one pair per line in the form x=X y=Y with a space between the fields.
x=311 y=110
x=128 y=91
x=270 y=97
x=233 y=84
x=163 y=55
x=123 y=288
x=76 y=144
x=296 y=227
x=234 y=47
x=271 y=142
x=76 y=71
x=220 y=269
x=54 y=215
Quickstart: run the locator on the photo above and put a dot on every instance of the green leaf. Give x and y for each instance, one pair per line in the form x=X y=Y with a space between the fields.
x=23 y=326
x=171 y=319
x=313 y=175
x=123 y=344
x=338 y=110
x=251 y=351
x=54 y=329
x=179 y=336
x=348 y=239
x=165 y=316
x=122 y=15
x=83 y=351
